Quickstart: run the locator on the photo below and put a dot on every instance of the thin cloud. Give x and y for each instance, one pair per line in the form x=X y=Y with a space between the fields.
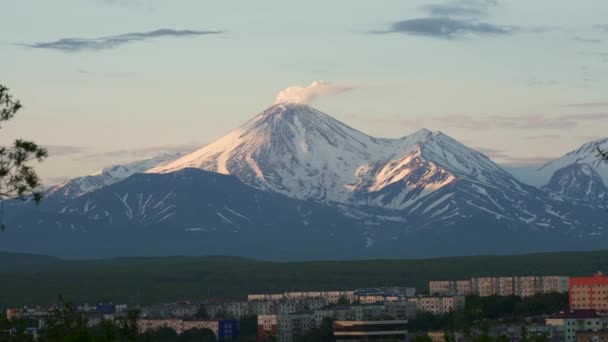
x=307 y=94
x=447 y=28
x=587 y=104
x=586 y=116
x=506 y=159
x=144 y=152
x=587 y=40
x=109 y=42
x=524 y=122
x=462 y=8
x=63 y=150
x=544 y=137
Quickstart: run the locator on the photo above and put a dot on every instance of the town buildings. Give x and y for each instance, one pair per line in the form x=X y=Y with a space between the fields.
x=438 y=305
x=382 y=330
x=523 y=286
x=573 y=322
x=223 y=329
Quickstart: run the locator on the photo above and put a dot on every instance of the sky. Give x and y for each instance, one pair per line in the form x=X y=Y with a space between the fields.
x=110 y=81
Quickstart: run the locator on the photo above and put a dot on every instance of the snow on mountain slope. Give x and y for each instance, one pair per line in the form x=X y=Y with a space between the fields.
x=586 y=154
x=107 y=176
x=580 y=182
x=427 y=176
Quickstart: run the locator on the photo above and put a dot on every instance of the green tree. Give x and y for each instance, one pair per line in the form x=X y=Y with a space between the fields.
x=197 y=335
x=18 y=179
x=65 y=323
x=202 y=313
x=324 y=333
x=128 y=325
x=159 y=335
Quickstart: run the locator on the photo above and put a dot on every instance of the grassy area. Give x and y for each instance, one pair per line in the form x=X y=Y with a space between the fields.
x=27 y=279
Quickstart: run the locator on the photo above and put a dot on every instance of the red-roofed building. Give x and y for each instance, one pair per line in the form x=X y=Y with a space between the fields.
x=589 y=292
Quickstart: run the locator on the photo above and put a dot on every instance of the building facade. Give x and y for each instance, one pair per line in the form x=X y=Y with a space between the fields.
x=589 y=292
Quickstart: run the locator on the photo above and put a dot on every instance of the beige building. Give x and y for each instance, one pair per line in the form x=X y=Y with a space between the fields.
x=505 y=286
x=439 y=305
x=556 y=284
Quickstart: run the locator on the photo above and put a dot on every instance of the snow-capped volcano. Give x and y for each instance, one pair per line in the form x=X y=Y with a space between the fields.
x=296 y=179
x=298 y=151
x=303 y=153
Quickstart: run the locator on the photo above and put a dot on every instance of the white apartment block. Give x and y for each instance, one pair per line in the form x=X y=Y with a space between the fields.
x=502 y=286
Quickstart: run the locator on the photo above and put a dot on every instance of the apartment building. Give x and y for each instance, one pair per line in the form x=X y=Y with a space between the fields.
x=589 y=292
x=291 y=326
x=332 y=297
x=268 y=325
x=439 y=305
x=524 y=286
x=223 y=329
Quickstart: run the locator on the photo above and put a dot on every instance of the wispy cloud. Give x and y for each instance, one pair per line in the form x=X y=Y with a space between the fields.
x=108 y=42
x=524 y=122
x=591 y=104
x=544 y=137
x=587 y=40
x=144 y=152
x=586 y=116
x=446 y=28
x=63 y=150
x=504 y=158
x=307 y=94
x=462 y=8
x=520 y=122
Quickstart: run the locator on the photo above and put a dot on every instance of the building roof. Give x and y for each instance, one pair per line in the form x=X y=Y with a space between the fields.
x=596 y=279
x=575 y=314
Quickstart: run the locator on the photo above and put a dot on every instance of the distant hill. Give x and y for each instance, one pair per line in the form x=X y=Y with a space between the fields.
x=31 y=279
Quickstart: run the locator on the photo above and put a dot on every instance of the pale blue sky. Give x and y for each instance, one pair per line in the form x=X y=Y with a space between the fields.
x=503 y=81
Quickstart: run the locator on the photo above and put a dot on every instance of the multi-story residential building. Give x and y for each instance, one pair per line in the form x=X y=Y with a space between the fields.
x=500 y=286
x=528 y=286
x=442 y=287
x=292 y=325
x=439 y=305
x=329 y=296
x=484 y=287
x=505 y=286
x=223 y=329
x=383 y=330
x=463 y=287
x=401 y=310
x=237 y=310
x=574 y=321
x=555 y=284
x=589 y=292
x=268 y=326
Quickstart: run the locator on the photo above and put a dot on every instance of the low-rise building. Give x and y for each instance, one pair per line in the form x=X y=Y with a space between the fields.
x=381 y=330
x=223 y=329
x=573 y=321
x=592 y=336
